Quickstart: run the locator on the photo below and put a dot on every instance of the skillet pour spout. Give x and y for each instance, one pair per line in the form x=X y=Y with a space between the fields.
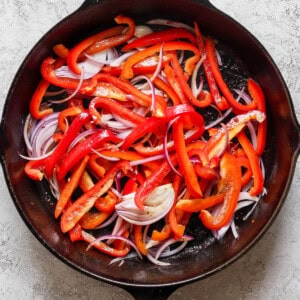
x=35 y=204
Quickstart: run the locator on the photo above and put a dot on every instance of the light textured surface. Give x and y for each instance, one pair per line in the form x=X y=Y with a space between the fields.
x=270 y=270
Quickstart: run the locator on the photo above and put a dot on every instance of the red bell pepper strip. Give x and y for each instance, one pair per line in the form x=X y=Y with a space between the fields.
x=60 y=50
x=103 y=247
x=63 y=145
x=34 y=169
x=191 y=135
x=37 y=97
x=153 y=123
x=106 y=204
x=168 y=89
x=230 y=184
x=211 y=56
x=91 y=220
x=84 y=148
x=221 y=102
x=70 y=186
x=186 y=87
x=68 y=112
x=139 y=97
x=85 y=202
x=138 y=239
x=116 y=108
x=127 y=71
x=83 y=45
x=114 y=41
x=184 y=162
x=194 y=205
x=160 y=37
x=174 y=83
x=108 y=90
x=258 y=179
x=48 y=73
x=258 y=96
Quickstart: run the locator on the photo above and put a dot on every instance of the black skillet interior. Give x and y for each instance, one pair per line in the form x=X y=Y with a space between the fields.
x=204 y=256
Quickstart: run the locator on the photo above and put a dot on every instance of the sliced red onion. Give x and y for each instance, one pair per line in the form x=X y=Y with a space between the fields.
x=150 y=83
x=104 y=57
x=82 y=136
x=75 y=92
x=170 y=23
x=161 y=250
x=156 y=261
x=234 y=230
x=29 y=124
x=146 y=160
x=54 y=93
x=219 y=120
x=121 y=260
x=109 y=221
x=119 y=60
x=156 y=206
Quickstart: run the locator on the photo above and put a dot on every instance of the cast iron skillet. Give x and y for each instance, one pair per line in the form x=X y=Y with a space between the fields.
x=35 y=203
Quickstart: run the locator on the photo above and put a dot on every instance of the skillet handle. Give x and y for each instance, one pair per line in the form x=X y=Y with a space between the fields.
x=141 y=293
x=89 y=3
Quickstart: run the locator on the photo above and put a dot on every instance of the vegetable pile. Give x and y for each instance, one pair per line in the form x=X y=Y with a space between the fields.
x=117 y=128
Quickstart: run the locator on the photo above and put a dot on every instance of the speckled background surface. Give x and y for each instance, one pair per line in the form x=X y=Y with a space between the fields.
x=270 y=270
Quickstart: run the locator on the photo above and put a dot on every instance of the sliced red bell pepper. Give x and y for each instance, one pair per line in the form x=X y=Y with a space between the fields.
x=194 y=205
x=186 y=87
x=85 y=202
x=153 y=123
x=117 y=40
x=48 y=73
x=184 y=162
x=69 y=187
x=107 y=204
x=92 y=220
x=211 y=56
x=83 y=45
x=138 y=239
x=127 y=71
x=34 y=169
x=258 y=179
x=168 y=89
x=63 y=145
x=37 y=97
x=139 y=97
x=174 y=83
x=258 y=96
x=162 y=36
x=67 y=112
x=116 y=108
x=221 y=102
x=84 y=148
x=230 y=184
x=108 y=90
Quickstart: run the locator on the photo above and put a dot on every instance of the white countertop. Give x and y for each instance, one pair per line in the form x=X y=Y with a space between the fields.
x=270 y=270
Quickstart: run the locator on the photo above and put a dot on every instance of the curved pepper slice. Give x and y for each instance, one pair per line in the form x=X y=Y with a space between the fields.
x=84 y=148
x=211 y=56
x=153 y=123
x=109 y=38
x=48 y=73
x=160 y=37
x=84 y=203
x=37 y=97
x=184 y=162
x=257 y=95
x=258 y=179
x=115 y=108
x=127 y=71
x=230 y=184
